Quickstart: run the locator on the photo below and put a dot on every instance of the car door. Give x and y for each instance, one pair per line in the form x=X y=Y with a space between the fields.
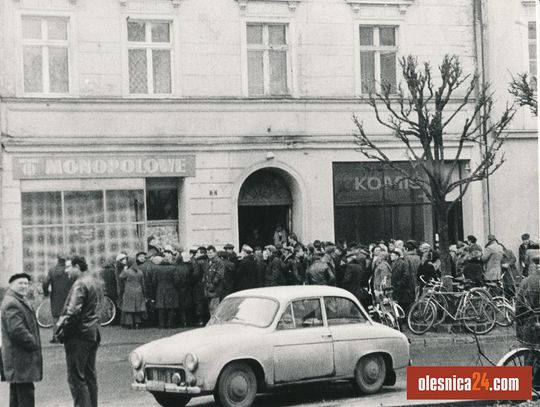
x=303 y=347
x=350 y=330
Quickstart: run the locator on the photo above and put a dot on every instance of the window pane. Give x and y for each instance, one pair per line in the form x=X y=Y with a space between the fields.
x=160 y=32
x=532 y=67
x=367 y=69
x=58 y=70
x=307 y=313
x=388 y=69
x=125 y=206
x=137 y=71
x=87 y=241
x=41 y=208
x=278 y=72
x=40 y=247
x=532 y=51
x=57 y=29
x=387 y=36
x=127 y=236
x=366 y=35
x=83 y=207
x=277 y=35
x=254 y=34
x=532 y=30
x=341 y=311
x=31 y=28
x=136 y=31
x=162 y=204
x=33 y=69
x=161 y=63
x=255 y=73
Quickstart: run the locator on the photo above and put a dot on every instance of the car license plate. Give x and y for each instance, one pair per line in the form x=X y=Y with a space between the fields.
x=155 y=386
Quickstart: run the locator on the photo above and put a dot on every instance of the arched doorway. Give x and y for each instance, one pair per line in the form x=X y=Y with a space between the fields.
x=264 y=201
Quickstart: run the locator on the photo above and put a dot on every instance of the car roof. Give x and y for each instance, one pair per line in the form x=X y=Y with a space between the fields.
x=290 y=292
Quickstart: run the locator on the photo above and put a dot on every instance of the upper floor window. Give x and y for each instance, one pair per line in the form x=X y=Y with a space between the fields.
x=268 y=59
x=149 y=57
x=378 y=53
x=532 y=48
x=45 y=43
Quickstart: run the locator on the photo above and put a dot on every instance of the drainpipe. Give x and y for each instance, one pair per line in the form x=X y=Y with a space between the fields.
x=480 y=56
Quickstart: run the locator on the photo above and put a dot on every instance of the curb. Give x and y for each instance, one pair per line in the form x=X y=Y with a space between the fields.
x=458 y=340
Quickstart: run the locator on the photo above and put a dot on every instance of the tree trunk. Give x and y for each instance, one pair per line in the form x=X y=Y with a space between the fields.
x=441 y=214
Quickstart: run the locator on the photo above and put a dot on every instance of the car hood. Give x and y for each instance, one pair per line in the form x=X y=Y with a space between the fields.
x=173 y=349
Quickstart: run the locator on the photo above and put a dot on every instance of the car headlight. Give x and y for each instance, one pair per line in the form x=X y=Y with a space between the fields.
x=191 y=362
x=135 y=359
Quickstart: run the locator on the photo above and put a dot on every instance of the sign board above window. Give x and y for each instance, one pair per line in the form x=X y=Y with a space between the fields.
x=116 y=166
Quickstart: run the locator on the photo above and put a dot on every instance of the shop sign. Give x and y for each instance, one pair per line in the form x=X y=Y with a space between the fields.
x=373 y=183
x=103 y=167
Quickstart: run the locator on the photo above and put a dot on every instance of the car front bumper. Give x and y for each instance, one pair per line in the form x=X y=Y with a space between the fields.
x=166 y=387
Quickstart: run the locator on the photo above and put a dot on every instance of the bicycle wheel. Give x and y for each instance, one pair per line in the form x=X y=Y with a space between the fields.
x=505 y=312
x=441 y=305
x=524 y=357
x=421 y=317
x=478 y=315
x=44 y=315
x=107 y=311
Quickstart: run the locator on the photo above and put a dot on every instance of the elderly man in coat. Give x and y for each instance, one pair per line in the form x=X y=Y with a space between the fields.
x=401 y=280
x=165 y=280
x=21 y=343
x=492 y=258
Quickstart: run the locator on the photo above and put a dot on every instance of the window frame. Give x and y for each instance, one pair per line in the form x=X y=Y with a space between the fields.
x=360 y=310
x=290 y=47
x=376 y=24
x=290 y=307
x=530 y=42
x=45 y=45
x=148 y=46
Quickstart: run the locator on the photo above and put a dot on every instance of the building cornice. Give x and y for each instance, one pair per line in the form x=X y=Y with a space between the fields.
x=402 y=5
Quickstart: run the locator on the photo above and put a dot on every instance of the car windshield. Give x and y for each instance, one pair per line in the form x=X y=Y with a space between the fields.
x=254 y=311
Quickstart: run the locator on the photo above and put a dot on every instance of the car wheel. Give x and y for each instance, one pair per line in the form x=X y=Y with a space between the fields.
x=237 y=386
x=171 y=400
x=370 y=374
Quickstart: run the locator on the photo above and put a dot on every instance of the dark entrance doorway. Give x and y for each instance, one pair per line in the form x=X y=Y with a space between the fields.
x=264 y=202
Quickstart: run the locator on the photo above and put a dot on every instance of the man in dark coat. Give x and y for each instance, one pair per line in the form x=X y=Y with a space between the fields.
x=21 y=344
x=247 y=272
x=213 y=279
x=81 y=349
x=200 y=267
x=320 y=273
x=274 y=267
x=229 y=262
x=401 y=280
x=57 y=283
x=165 y=282
x=355 y=279
x=290 y=263
x=185 y=300
x=474 y=267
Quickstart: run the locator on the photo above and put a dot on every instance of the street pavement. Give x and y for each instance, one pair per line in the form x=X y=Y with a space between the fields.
x=444 y=348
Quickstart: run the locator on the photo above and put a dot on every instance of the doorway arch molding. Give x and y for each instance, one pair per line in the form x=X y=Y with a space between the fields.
x=295 y=184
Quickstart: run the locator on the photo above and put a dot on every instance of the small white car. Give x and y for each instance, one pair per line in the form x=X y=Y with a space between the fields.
x=265 y=338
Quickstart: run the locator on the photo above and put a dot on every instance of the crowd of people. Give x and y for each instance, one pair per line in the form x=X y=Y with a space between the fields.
x=168 y=287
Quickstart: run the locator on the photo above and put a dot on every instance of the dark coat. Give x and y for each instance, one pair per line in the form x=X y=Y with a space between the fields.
x=402 y=282
x=274 y=272
x=134 y=298
x=355 y=280
x=291 y=275
x=528 y=300
x=247 y=273
x=184 y=271
x=110 y=277
x=320 y=273
x=200 y=267
x=60 y=283
x=474 y=271
x=21 y=343
x=229 y=276
x=214 y=278
x=165 y=280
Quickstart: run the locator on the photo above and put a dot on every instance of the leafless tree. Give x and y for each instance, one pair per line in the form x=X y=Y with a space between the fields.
x=523 y=88
x=420 y=116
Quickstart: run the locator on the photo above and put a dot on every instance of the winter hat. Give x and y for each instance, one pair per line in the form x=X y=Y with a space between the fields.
x=19 y=275
x=120 y=256
x=475 y=247
x=271 y=248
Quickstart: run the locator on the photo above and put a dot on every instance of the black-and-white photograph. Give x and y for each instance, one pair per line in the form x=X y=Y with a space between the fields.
x=271 y=203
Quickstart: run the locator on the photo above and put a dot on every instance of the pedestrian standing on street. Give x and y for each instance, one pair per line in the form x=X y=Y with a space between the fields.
x=21 y=343
x=134 y=298
x=214 y=280
x=320 y=273
x=247 y=273
x=57 y=284
x=184 y=269
x=413 y=263
x=280 y=236
x=165 y=282
x=401 y=280
x=80 y=310
x=473 y=269
x=200 y=268
x=492 y=258
x=382 y=275
x=526 y=244
x=229 y=263
x=355 y=279
x=274 y=267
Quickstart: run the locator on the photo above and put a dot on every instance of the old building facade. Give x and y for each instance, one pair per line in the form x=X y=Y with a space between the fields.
x=200 y=121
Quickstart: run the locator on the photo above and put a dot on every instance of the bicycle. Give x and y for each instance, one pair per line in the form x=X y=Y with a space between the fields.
x=107 y=312
x=386 y=311
x=472 y=309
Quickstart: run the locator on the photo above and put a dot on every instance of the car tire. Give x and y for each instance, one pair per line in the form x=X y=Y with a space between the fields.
x=171 y=400
x=370 y=374
x=237 y=386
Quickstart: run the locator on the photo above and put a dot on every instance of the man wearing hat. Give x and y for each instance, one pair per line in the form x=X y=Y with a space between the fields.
x=247 y=272
x=473 y=269
x=57 y=283
x=274 y=267
x=290 y=266
x=401 y=280
x=492 y=258
x=21 y=343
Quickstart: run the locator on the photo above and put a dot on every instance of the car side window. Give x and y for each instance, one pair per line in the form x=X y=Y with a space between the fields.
x=307 y=313
x=340 y=311
x=286 y=321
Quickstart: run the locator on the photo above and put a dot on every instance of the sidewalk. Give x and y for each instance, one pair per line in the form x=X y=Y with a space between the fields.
x=115 y=335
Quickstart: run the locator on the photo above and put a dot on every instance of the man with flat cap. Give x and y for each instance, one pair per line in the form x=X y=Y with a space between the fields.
x=21 y=343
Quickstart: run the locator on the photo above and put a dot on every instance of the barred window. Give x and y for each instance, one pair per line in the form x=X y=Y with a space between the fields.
x=149 y=57
x=45 y=49
x=378 y=53
x=268 y=59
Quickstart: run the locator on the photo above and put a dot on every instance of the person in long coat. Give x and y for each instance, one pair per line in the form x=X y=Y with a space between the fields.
x=185 y=300
x=492 y=258
x=200 y=267
x=21 y=343
x=247 y=272
x=274 y=267
x=355 y=279
x=134 y=297
x=401 y=280
x=382 y=274
x=166 y=280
